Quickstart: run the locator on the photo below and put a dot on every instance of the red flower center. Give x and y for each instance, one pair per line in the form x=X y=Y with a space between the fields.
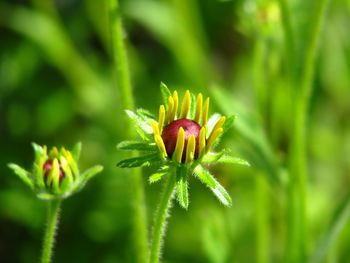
x=170 y=132
x=47 y=168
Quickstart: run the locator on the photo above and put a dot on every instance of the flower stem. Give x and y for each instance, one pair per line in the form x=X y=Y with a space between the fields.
x=160 y=219
x=140 y=235
x=51 y=227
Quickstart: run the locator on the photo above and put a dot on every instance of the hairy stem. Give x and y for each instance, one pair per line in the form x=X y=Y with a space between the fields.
x=297 y=238
x=160 y=219
x=140 y=235
x=50 y=231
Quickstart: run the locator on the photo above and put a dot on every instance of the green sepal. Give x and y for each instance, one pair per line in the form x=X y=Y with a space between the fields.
x=56 y=177
x=65 y=184
x=91 y=172
x=46 y=196
x=212 y=157
x=181 y=187
x=22 y=174
x=38 y=152
x=218 y=190
x=86 y=176
x=39 y=175
x=144 y=160
x=145 y=114
x=192 y=111
x=221 y=157
x=143 y=127
x=159 y=174
x=165 y=94
x=76 y=151
x=228 y=123
x=137 y=146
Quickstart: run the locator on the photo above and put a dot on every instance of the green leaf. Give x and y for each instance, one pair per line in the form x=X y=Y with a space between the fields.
x=165 y=94
x=76 y=151
x=339 y=220
x=136 y=146
x=159 y=174
x=214 y=185
x=192 y=111
x=181 y=186
x=144 y=160
x=22 y=174
x=143 y=127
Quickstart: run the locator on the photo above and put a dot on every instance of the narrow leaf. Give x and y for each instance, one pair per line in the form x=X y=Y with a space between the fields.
x=181 y=187
x=165 y=94
x=144 y=160
x=22 y=174
x=340 y=217
x=136 y=146
x=205 y=176
x=159 y=174
x=91 y=172
x=224 y=158
x=214 y=185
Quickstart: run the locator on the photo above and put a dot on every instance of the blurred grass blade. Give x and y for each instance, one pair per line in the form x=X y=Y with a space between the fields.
x=340 y=217
x=136 y=146
x=251 y=130
x=144 y=160
x=181 y=187
x=22 y=174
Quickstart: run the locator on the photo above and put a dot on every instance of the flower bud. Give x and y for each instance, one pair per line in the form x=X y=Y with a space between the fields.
x=170 y=135
x=55 y=174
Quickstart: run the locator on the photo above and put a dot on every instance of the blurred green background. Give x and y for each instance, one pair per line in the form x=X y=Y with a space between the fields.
x=57 y=88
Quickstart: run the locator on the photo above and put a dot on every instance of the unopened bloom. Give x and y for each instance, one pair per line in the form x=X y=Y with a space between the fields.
x=55 y=173
x=181 y=141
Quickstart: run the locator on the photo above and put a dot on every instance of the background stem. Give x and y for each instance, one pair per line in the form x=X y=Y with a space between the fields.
x=140 y=235
x=52 y=221
x=160 y=219
x=262 y=219
x=297 y=225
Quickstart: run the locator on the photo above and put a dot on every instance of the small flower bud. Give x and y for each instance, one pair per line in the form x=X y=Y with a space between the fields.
x=170 y=135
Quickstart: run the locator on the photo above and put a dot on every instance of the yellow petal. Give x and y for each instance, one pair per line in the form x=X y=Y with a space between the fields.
x=219 y=124
x=205 y=112
x=176 y=104
x=155 y=127
x=212 y=138
x=185 y=105
x=180 y=143
x=170 y=109
x=191 y=146
x=161 y=118
x=161 y=146
x=202 y=141
x=199 y=105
